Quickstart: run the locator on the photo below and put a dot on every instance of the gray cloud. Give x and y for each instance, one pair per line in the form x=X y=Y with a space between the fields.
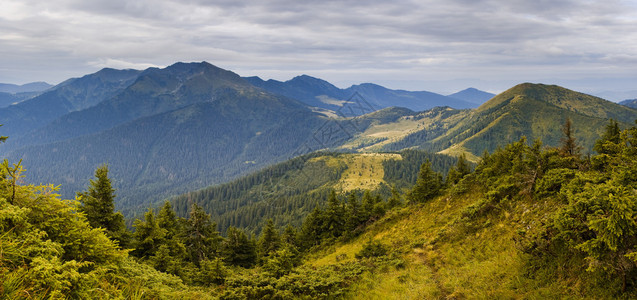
x=406 y=44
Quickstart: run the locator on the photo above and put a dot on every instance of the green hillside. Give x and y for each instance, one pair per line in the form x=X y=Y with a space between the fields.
x=531 y=110
x=289 y=191
x=530 y=222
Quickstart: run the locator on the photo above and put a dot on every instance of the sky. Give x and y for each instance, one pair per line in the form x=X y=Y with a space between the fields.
x=439 y=46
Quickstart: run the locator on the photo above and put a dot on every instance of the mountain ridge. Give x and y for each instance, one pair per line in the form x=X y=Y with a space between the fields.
x=320 y=93
x=71 y=95
x=37 y=86
x=217 y=127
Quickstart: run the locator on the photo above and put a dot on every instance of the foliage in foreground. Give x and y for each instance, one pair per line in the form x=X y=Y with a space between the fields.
x=49 y=250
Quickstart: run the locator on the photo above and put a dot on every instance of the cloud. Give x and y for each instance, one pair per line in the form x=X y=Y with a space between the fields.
x=120 y=64
x=340 y=40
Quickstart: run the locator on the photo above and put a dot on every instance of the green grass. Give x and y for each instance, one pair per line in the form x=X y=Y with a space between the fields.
x=450 y=256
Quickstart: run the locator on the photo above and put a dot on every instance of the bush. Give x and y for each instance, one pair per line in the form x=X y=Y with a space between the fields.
x=372 y=249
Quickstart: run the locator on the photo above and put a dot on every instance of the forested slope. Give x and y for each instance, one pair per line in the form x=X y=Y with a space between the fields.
x=288 y=191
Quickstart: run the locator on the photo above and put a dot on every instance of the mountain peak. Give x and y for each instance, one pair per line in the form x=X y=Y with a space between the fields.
x=562 y=98
x=472 y=95
x=368 y=85
x=307 y=79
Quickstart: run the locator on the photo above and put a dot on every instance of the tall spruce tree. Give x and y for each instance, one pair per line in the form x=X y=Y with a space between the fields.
x=289 y=236
x=461 y=169
x=428 y=184
x=333 y=219
x=172 y=252
x=201 y=236
x=609 y=142
x=368 y=206
x=569 y=145
x=353 y=211
x=98 y=203
x=395 y=199
x=237 y=249
x=148 y=236
x=167 y=220
x=312 y=229
x=270 y=240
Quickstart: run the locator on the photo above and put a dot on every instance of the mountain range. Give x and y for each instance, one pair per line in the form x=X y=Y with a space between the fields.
x=322 y=94
x=190 y=125
x=14 y=94
x=24 y=88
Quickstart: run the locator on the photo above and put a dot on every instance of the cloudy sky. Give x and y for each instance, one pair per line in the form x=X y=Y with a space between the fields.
x=441 y=46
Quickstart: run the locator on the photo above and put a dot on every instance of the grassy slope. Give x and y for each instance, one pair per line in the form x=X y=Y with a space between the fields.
x=531 y=110
x=536 y=111
x=448 y=255
x=287 y=192
x=364 y=171
x=378 y=136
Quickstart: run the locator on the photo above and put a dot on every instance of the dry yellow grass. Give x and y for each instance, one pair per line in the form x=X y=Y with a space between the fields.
x=364 y=171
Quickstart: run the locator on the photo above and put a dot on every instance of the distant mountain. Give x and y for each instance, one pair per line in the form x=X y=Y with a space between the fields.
x=153 y=91
x=71 y=95
x=472 y=95
x=309 y=90
x=382 y=97
x=632 y=103
x=175 y=129
x=14 y=94
x=7 y=99
x=320 y=93
x=25 y=88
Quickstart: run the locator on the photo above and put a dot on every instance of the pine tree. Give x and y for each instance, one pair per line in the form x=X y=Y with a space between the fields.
x=202 y=238
x=213 y=272
x=395 y=199
x=380 y=207
x=333 y=218
x=368 y=206
x=428 y=184
x=289 y=236
x=237 y=249
x=171 y=251
x=269 y=241
x=458 y=172
x=167 y=220
x=609 y=142
x=569 y=146
x=312 y=229
x=98 y=205
x=353 y=211
x=148 y=236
